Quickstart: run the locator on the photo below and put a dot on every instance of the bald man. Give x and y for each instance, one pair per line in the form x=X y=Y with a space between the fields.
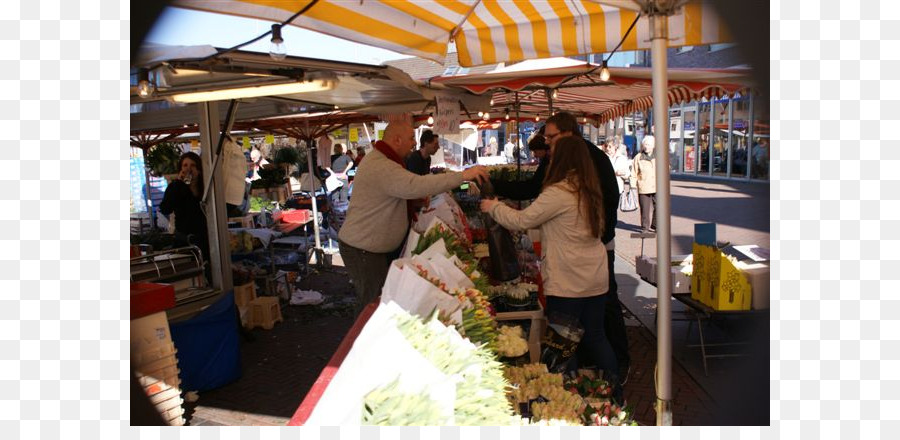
x=377 y=219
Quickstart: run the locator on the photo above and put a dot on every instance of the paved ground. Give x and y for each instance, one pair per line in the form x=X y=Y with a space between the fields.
x=739 y=209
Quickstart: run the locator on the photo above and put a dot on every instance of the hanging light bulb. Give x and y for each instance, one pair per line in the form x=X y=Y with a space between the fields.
x=507 y=114
x=487 y=116
x=337 y=107
x=144 y=88
x=277 y=50
x=431 y=119
x=492 y=102
x=537 y=118
x=555 y=93
x=480 y=114
x=604 y=72
x=584 y=120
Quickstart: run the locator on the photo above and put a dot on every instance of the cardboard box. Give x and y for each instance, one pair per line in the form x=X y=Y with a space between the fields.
x=150 y=332
x=758 y=276
x=717 y=282
x=646 y=267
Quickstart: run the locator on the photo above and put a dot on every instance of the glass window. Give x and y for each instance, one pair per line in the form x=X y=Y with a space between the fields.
x=690 y=129
x=759 y=152
x=720 y=137
x=703 y=140
x=739 y=141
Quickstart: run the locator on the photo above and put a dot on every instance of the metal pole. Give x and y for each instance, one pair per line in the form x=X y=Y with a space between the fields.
x=659 y=43
x=730 y=146
x=712 y=130
x=518 y=142
x=681 y=142
x=216 y=215
x=149 y=202
x=315 y=207
x=750 y=137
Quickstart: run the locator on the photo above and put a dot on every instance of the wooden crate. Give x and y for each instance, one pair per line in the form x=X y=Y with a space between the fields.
x=538 y=325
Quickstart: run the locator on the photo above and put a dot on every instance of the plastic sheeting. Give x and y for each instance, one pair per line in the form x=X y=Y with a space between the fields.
x=209 y=353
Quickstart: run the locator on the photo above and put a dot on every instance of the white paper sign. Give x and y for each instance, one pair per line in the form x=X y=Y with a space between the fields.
x=446 y=121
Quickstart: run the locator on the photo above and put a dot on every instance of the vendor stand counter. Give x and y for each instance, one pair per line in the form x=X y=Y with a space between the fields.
x=700 y=313
x=321 y=384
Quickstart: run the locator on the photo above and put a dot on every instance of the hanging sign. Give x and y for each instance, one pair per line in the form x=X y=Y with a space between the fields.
x=195 y=145
x=338 y=134
x=270 y=139
x=246 y=142
x=380 y=135
x=446 y=120
x=354 y=135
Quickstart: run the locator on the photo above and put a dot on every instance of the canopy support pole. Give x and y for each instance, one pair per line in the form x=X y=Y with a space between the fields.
x=311 y=146
x=659 y=43
x=518 y=143
x=214 y=199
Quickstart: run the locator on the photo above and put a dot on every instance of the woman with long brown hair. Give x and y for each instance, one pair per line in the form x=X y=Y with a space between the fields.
x=183 y=197
x=569 y=213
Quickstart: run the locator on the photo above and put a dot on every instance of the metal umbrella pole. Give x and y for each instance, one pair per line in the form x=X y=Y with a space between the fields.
x=311 y=147
x=659 y=43
x=517 y=148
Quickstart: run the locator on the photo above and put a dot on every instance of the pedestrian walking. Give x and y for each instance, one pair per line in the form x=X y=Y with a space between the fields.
x=644 y=169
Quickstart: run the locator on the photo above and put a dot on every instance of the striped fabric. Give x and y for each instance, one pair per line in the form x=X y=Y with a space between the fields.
x=485 y=31
x=629 y=90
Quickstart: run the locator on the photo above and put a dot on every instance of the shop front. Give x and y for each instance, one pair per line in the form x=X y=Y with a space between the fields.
x=737 y=147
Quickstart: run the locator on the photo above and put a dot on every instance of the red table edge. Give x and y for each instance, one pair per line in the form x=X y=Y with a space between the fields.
x=321 y=384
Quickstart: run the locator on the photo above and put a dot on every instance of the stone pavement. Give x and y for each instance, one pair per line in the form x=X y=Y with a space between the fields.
x=739 y=209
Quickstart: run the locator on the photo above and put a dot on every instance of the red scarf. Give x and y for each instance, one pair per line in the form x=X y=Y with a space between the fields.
x=386 y=150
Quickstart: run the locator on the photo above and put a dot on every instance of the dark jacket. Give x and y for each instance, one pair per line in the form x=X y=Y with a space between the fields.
x=189 y=218
x=525 y=190
x=418 y=164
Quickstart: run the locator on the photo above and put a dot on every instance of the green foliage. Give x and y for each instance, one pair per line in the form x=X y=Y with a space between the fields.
x=286 y=156
x=269 y=178
x=162 y=159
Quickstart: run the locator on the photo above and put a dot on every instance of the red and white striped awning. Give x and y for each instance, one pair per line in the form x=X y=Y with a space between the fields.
x=580 y=91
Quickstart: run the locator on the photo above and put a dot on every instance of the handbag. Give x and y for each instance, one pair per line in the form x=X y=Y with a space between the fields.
x=628 y=199
x=504 y=262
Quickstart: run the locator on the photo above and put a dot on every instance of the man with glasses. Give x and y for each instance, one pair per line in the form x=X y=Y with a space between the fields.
x=564 y=124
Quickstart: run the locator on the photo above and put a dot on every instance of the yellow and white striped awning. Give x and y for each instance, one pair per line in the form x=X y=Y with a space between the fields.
x=485 y=31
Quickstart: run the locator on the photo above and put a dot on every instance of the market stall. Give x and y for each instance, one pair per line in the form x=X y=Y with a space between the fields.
x=454 y=340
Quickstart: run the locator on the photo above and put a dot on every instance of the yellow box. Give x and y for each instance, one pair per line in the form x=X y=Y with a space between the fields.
x=733 y=290
x=706 y=273
x=716 y=281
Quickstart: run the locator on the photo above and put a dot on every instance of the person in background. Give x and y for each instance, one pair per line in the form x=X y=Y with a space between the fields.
x=360 y=154
x=528 y=189
x=183 y=197
x=618 y=155
x=338 y=151
x=378 y=218
x=562 y=125
x=644 y=170
x=419 y=161
x=569 y=212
